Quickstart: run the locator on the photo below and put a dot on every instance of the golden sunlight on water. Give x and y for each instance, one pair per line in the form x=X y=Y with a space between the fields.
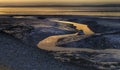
x=79 y=26
x=89 y=11
x=49 y=43
x=2 y=12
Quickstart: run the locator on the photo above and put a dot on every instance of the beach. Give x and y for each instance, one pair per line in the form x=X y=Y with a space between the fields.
x=59 y=42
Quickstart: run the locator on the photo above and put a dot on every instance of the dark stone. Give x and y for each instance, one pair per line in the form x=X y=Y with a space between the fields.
x=34 y=30
x=99 y=50
x=80 y=32
x=101 y=26
x=96 y=41
x=41 y=17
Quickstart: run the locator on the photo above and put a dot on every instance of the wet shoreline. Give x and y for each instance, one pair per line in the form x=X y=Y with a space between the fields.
x=28 y=31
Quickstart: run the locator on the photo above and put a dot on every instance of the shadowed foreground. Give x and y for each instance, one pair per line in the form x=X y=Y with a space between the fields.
x=18 y=56
x=100 y=50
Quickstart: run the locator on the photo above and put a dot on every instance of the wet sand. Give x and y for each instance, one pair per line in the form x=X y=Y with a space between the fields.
x=19 y=56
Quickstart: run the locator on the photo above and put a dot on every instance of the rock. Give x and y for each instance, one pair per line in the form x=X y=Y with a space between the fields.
x=80 y=32
x=18 y=30
x=15 y=55
x=100 y=41
x=73 y=19
x=101 y=26
x=31 y=31
x=99 y=50
x=101 y=59
x=41 y=17
x=98 y=24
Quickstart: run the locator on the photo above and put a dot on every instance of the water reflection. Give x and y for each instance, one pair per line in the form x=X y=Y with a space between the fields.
x=49 y=43
x=79 y=26
x=94 y=11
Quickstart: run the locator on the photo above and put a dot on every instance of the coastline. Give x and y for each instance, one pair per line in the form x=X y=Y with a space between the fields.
x=40 y=22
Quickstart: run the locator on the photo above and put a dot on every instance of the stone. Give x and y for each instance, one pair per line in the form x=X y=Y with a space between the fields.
x=80 y=32
x=31 y=31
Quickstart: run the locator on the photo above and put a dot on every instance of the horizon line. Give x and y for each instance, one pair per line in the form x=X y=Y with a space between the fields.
x=73 y=5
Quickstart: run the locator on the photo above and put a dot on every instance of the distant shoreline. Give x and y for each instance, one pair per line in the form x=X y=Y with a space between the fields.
x=85 y=11
x=89 y=5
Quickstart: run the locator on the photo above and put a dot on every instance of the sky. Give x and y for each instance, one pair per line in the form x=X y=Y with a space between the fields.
x=28 y=2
